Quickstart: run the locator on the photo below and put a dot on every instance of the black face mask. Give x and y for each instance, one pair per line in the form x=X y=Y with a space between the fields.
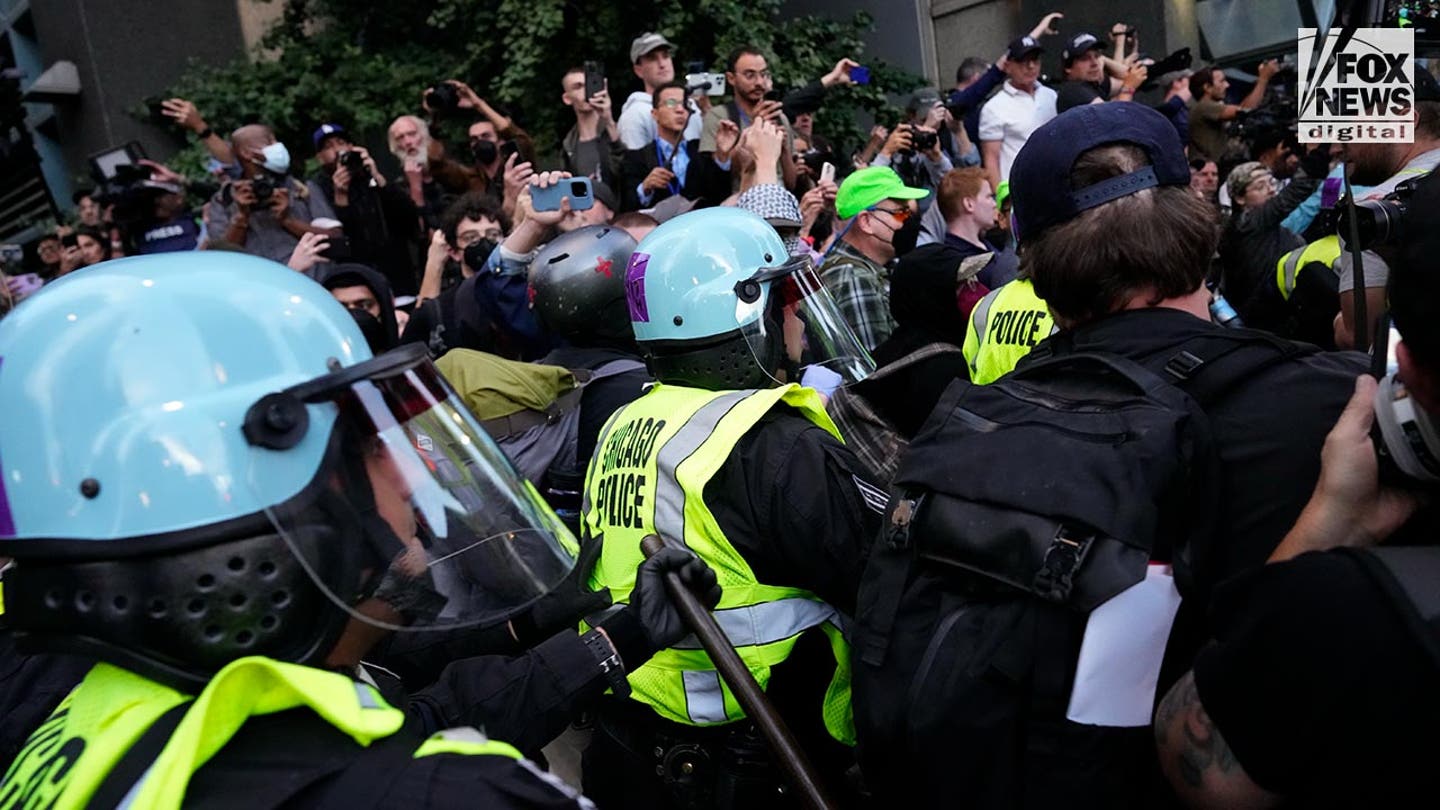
x=904 y=239
x=484 y=151
x=477 y=253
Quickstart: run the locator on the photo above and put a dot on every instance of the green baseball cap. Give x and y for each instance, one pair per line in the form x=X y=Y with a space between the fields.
x=1002 y=192
x=866 y=187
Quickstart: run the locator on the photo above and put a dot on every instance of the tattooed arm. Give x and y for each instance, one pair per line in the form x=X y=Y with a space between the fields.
x=1200 y=766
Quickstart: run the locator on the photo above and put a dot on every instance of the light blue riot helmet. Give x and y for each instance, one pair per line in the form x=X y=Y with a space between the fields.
x=200 y=460
x=718 y=303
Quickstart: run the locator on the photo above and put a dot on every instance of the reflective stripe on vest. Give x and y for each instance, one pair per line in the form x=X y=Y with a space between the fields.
x=1325 y=251
x=1003 y=328
x=68 y=758
x=648 y=474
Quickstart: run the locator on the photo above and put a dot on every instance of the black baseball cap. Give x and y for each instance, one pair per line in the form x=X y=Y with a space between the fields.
x=1023 y=47
x=1045 y=161
x=1078 y=44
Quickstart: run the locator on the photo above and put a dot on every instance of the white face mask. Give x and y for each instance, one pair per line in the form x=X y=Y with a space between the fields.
x=277 y=158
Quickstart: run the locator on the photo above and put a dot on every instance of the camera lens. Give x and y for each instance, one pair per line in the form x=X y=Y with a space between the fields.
x=1409 y=440
x=577 y=189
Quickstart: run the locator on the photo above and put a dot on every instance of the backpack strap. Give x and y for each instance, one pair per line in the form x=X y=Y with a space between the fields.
x=138 y=758
x=1209 y=367
x=614 y=368
x=513 y=424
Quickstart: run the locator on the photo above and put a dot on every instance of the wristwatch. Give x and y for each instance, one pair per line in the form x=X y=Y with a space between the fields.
x=609 y=660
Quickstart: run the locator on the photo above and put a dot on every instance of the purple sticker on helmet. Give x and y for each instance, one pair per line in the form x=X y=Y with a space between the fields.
x=7 y=521
x=635 y=287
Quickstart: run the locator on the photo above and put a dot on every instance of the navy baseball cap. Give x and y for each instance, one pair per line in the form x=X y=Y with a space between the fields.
x=1045 y=161
x=325 y=131
x=1022 y=47
x=1078 y=44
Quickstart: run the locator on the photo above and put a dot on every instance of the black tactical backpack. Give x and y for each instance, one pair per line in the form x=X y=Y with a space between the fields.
x=1020 y=507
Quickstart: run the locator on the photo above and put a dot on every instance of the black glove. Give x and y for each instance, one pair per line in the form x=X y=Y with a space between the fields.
x=658 y=616
x=1316 y=162
x=563 y=607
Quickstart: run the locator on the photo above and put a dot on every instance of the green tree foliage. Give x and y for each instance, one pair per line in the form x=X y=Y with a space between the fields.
x=363 y=62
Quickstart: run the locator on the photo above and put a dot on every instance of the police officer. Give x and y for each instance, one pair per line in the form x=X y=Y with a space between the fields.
x=1007 y=323
x=239 y=505
x=729 y=457
x=577 y=285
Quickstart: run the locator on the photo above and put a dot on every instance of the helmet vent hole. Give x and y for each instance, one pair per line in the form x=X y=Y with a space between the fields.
x=557 y=259
x=769 y=258
x=54 y=598
x=195 y=607
x=238 y=600
x=158 y=608
x=90 y=488
x=244 y=638
x=266 y=569
x=120 y=603
x=679 y=321
x=280 y=598
x=236 y=564
x=213 y=632
x=205 y=582
x=84 y=601
x=268 y=622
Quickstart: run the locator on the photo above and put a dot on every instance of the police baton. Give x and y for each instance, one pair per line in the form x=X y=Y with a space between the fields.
x=742 y=684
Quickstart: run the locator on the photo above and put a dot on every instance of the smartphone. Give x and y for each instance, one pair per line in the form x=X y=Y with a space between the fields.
x=337 y=248
x=712 y=83
x=860 y=74
x=11 y=255
x=774 y=95
x=576 y=188
x=827 y=172
x=507 y=149
x=70 y=240
x=594 y=78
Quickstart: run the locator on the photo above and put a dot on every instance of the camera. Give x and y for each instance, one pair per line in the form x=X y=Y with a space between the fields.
x=264 y=187
x=354 y=163
x=922 y=140
x=1382 y=221
x=443 y=97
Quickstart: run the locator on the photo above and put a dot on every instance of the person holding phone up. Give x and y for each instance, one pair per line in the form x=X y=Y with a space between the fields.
x=669 y=165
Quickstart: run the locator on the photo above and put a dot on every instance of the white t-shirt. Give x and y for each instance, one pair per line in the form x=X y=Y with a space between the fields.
x=1011 y=115
x=637 y=125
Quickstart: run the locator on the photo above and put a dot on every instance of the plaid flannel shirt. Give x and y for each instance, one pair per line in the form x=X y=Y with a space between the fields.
x=861 y=289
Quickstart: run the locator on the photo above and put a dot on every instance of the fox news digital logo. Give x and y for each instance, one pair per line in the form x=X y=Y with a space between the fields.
x=1359 y=87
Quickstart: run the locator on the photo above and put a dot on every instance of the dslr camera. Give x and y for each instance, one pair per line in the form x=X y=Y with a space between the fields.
x=1382 y=221
x=922 y=140
x=442 y=97
x=1406 y=436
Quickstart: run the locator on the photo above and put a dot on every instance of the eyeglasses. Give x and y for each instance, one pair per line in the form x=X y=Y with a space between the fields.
x=901 y=215
x=752 y=75
x=469 y=238
x=671 y=103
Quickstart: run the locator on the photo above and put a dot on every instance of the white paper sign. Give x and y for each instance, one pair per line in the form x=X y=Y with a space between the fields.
x=1120 y=656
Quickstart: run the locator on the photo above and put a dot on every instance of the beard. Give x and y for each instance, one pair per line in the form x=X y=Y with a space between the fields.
x=420 y=154
x=1369 y=164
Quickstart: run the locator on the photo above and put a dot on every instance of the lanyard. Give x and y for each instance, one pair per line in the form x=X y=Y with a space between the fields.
x=666 y=164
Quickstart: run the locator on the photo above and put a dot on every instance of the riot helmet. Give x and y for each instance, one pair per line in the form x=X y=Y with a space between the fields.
x=202 y=461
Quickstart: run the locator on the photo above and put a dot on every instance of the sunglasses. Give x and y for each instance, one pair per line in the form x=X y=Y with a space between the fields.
x=901 y=215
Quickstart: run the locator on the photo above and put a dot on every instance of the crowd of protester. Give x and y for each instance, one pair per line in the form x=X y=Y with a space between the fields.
x=986 y=230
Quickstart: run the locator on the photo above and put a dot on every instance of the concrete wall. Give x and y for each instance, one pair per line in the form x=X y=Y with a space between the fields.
x=126 y=51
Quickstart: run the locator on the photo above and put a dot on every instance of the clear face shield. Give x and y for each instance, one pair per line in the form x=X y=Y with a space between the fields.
x=795 y=331
x=446 y=533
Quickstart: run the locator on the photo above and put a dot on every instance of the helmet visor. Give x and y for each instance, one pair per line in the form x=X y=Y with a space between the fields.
x=447 y=533
x=800 y=330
